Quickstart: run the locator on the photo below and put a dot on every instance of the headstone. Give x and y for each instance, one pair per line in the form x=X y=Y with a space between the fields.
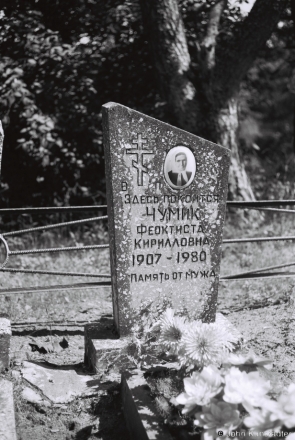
x=166 y=191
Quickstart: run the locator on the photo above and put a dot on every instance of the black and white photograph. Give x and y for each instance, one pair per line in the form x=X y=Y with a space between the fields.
x=147 y=219
x=179 y=167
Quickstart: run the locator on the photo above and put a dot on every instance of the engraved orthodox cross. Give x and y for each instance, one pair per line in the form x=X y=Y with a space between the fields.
x=139 y=151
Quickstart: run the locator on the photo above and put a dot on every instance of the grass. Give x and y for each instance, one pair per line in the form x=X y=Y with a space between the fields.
x=64 y=304
x=243 y=257
x=88 y=304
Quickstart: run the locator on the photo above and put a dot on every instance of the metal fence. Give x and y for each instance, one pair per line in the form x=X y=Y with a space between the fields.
x=50 y=210
x=273 y=206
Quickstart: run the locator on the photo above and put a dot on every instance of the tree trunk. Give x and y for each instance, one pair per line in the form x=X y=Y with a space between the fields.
x=167 y=42
x=239 y=187
x=293 y=73
x=205 y=103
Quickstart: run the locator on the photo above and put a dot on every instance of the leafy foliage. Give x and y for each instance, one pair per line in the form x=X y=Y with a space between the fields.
x=55 y=75
x=62 y=60
x=267 y=115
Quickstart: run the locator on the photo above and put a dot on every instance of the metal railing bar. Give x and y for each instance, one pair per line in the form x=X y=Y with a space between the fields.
x=62 y=323
x=260 y=275
x=52 y=272
x=292 y=211
x=90 y=285
x=258 y=239
x=51 y=209
x=250 y=272
x=61 y=249
x=239 y=204
x=56 y=225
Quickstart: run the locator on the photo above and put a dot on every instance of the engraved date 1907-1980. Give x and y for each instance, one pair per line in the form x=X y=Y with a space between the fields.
x=181 y=257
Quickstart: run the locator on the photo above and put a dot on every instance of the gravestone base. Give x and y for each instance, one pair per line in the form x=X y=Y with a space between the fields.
x=5 y=335
x=7 y=416
x=104 y=351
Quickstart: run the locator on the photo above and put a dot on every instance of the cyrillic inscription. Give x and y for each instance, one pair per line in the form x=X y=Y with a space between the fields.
x=175 y=276
x=166 y=191
x=188 y=198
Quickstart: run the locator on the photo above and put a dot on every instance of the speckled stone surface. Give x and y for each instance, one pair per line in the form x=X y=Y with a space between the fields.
x=165 y=232
x=104 y=351
x=7 y=417
x=5 y=335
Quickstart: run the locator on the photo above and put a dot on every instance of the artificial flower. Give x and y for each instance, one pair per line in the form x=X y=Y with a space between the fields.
x=203 y=345
x=217 y=416
x=172 y=330
x=230 y=333
x=155 y=327
x=248 y=359
x=199 y=389
x=262 y=419
x=241 y=387
x=286 y=407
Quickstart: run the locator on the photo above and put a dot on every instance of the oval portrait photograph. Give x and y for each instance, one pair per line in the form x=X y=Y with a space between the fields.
x=179 y=167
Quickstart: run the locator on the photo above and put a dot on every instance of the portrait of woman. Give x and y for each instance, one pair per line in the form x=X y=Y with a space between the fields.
x=179 y=167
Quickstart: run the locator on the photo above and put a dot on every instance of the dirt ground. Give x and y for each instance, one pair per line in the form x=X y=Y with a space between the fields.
x=268 y=328
x=98 y=417
x=263 y=310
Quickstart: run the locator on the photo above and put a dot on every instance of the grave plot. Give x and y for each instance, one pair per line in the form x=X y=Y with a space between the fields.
x=166 y=203
x=166 y=193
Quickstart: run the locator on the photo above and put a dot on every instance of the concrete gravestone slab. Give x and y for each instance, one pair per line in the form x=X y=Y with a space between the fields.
x=166 y=192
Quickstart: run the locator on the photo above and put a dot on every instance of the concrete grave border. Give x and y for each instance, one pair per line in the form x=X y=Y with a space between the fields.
x=141 y=418
x=7 y=416
x=5 y=335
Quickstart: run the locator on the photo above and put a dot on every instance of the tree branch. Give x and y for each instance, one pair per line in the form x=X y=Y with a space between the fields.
x=234 y=61
x=209 y=43
x=166 y=36
x=205 y=6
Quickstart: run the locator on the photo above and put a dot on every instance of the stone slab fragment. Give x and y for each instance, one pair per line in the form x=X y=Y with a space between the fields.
x=32 y=396
x=166 y=192
x=59 y=386
x=104 y=351
x=139 y=410
x=7 y=416
x=5 y=335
